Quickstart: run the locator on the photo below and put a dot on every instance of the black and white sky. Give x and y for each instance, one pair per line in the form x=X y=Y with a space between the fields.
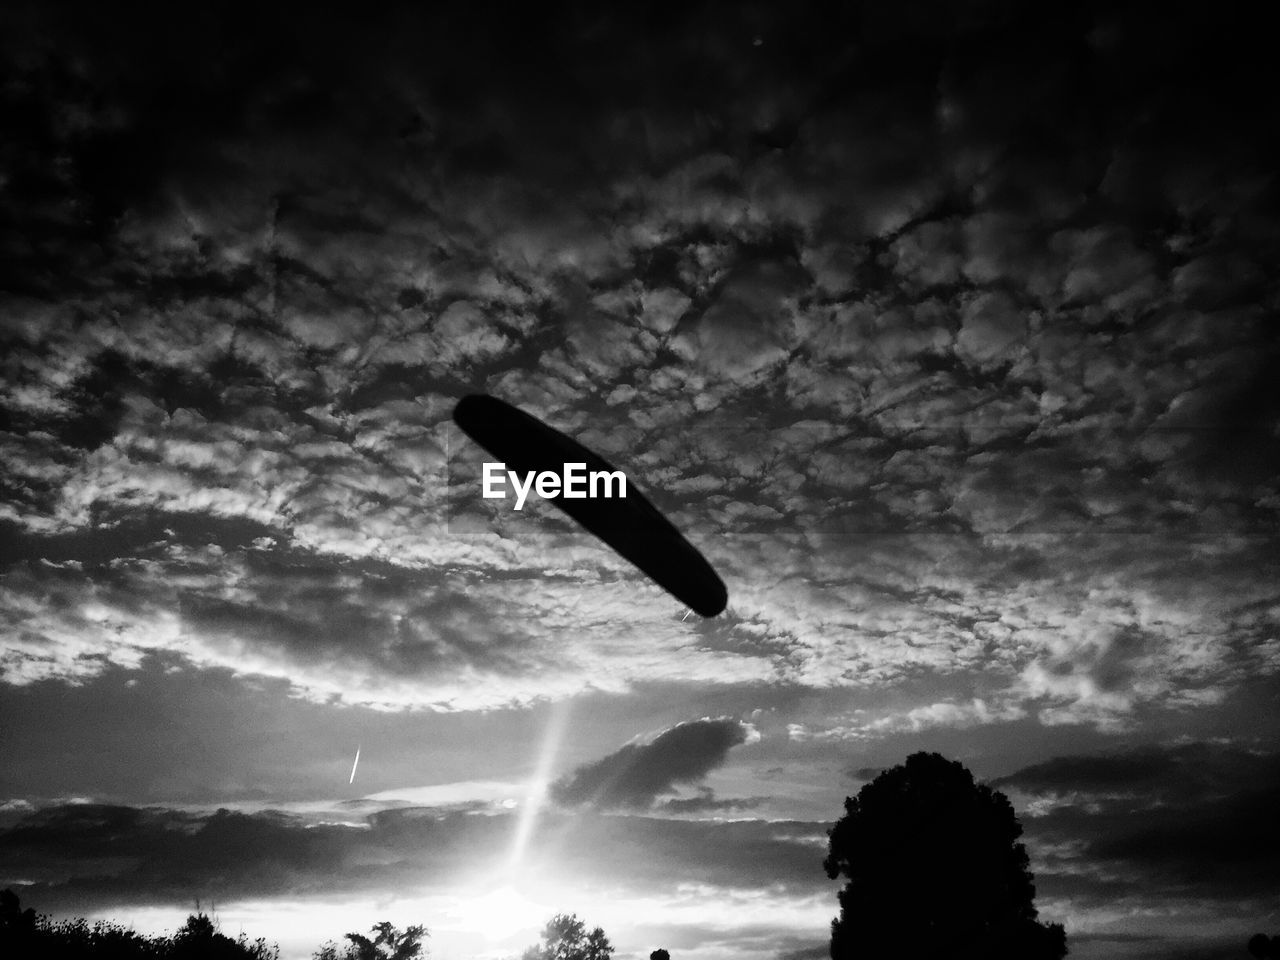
x=945 y=331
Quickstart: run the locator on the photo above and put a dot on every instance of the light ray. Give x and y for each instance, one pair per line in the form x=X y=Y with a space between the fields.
x=539 y=782
x=354 y=765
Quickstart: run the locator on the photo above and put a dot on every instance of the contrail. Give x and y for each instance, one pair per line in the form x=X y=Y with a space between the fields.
x=686 y=616
x=354 y=765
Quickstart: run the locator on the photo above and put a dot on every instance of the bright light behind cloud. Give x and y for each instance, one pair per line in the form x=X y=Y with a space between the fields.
x=443 y=794
x=497 y=912
x=501 y=913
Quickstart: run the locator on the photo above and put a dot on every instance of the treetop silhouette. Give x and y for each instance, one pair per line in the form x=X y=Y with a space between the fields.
x=23 y=933
x=388 y=943
x=1264 y=947
x=934 y=868
x=565 y=937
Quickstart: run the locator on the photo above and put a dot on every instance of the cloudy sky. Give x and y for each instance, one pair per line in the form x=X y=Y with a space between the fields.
x=945 y=333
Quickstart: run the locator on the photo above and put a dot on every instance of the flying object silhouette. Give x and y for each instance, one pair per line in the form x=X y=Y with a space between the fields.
x=631 y=525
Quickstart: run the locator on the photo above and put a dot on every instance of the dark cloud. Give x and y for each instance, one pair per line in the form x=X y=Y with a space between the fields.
x=1156 y=947
x=89 y=856
x=90 y=853
x=635 y=775
x=816 y=952
x=1222 y=848
x=1151 y=775
x=709 y=804
x=1194 y=820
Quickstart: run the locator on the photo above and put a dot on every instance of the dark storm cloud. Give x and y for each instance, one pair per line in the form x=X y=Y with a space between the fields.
x=89 y=856
x=635 y=775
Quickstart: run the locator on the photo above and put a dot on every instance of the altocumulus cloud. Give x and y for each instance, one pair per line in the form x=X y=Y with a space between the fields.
x=637 y=774
x=1029 y=352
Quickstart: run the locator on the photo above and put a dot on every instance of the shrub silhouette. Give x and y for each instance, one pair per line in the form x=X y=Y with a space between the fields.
x=1264 y=947
x=198 y=939
x=388 y=943
x=17 y=926
x=23 y=933
x=565 y=937
x=934 y=869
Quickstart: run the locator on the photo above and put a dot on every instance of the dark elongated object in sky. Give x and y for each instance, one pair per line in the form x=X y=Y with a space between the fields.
x=631 y=524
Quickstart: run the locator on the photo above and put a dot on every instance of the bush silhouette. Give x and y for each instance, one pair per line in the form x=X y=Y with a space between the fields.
x=1264 y=947
x=198 y=939
x=565 y=937
x=17 y=926
x=934 y=869
x=23 y=933
x=388 y=943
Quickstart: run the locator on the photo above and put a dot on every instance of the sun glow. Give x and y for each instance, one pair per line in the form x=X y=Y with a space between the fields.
x=498 y=913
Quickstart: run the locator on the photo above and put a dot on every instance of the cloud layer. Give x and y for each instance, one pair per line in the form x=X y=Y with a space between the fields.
x=946 y=333
x=807 y=302
x=635 y=775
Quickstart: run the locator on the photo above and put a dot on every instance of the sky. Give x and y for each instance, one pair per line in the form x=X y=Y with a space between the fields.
x=944 y=332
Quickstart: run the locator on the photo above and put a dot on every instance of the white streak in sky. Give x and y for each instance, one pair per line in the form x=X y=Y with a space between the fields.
x=354 y=765
x=538 y=786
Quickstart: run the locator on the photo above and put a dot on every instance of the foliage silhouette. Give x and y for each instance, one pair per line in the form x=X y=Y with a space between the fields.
x=1264 y=947
x=660 y=954
x=565 y=937
x=934 y=869
x=23 y=933
x=388 y=943
x=199 y=939
x=15 y=922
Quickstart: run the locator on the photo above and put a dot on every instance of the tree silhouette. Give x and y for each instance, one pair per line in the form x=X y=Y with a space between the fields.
x=23 y=933
x=388 y=943
x=934 y=869
x=565 y=937
x=17 y=926
x=199 y=939
x=1264 y=947
x=660 y=954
